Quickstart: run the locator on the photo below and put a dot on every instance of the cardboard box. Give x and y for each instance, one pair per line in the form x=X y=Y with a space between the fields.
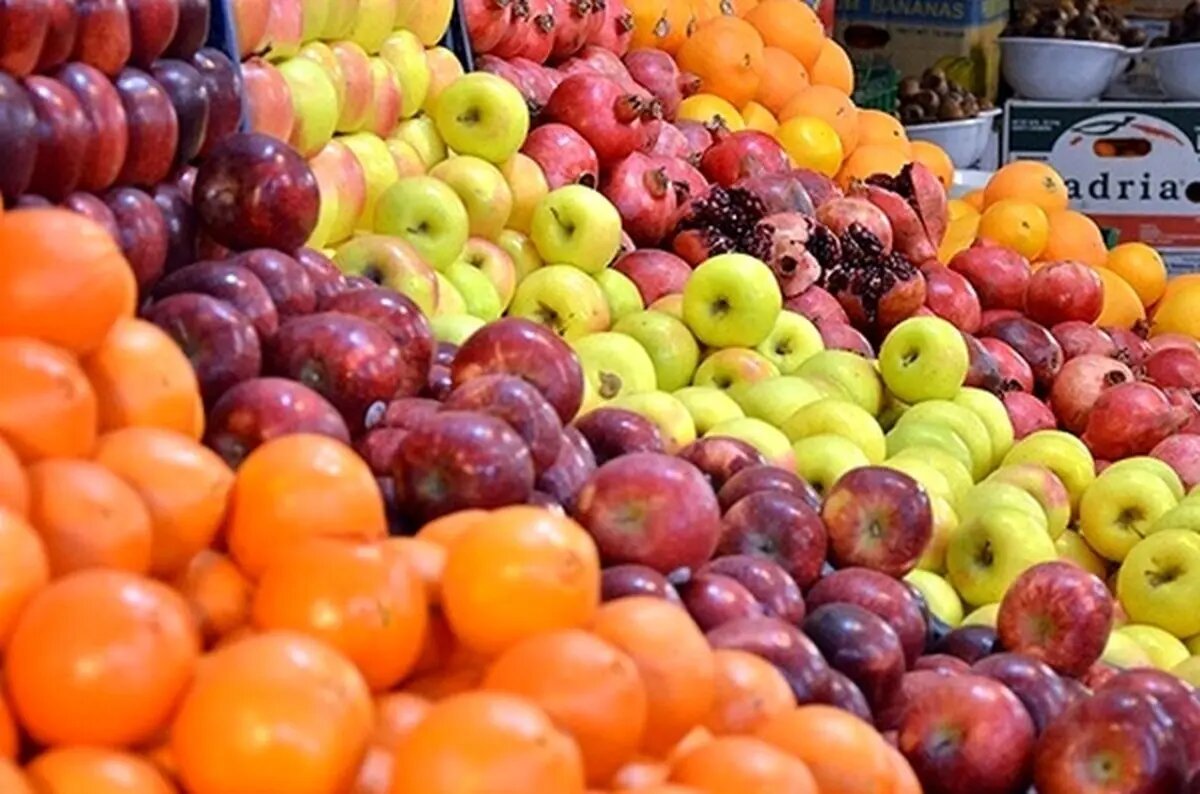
x=1131 y=166
x=909 y=36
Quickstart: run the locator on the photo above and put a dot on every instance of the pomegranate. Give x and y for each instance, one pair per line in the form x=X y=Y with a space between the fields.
x=608 y=118
x=737 y=155
x=820 y=188
x=515 y=31
x=600 y=61
x=487 y=22
x=564 y=156
x=1182 y=453
x=696 y=245
x=1079 y=385
x=843 y=336
x=698 y=136
x=542 y=24
x=1034 y=344
x=781 y=241
x=1131 y=419
x=915 y=203
x=1173 y=340
x=840 y=214
x=686 y=179
x=664 y=138
x=998 y=274
x=654 y=273
x=1015 y=373
x=572 y=19
x=951 y=297
x=1132 y=347
x=657 y=72
x=819 y=306
x=1062 y=291
x=730 y=211
x=614 y=30
x=540 y=80
x=1078 y=338
x=1027 y=413
x=990 y=316
x=984 y=372
x=503 y=68
x=877 y=289
x=642 y=192
x=1190 y=403
x=1177 y=367
x=779 y=192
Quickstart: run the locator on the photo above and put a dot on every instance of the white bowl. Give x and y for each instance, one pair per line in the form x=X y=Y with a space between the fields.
x=964 y=140
x=1063 y=70
x=1178 y=67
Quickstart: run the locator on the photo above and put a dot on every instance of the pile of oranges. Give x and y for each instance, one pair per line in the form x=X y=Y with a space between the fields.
x=168 y=624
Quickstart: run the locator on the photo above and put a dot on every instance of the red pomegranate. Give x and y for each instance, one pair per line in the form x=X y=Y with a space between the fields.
x=487 y=22
x=1079 y=384
x=1131 y=419
x=564 y=156
x=642 y=192
x=658 y=73
x=609 y=118
x=614 y=30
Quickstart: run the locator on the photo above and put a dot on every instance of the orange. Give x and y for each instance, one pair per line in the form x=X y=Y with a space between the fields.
x=1027 y=180
x=659 y=24
x=711 y=109
x=319 y=587
x=88 y=517
x=878 y=128
x=62 y=279
x=1179 y=284
x=811 y=143
x=1122 y=307
x=749 y=692
x=739 y=764
x=23 y=569
x=1019 y=225
x=674 y=659
x=296 y=487
x=100 y=658
x=790 y=26
x=935 y=159
x=47 y=406
x=375 y=772
x=445 y=530
x=975 y=199
x=1142 y=267
x=665 y=788
x=217 y=592
x=10 y=739
x=759 y=118
x=1176 y=312
x=183 y=484
x=12 y=780
x=397 y=714
x=830 y=105
x=590 y=689
x=904 y=778
x=142 y=379
x=870 y=159
x=307 y=697
x=783 y=76
x=844 y=754
x=522 y=572
x=726 y=53
x=704 y=10
x=487 y=736
x=740 y=8
x=14 y=484
x=426 y=559
x=1076 y=237
x=641 y=773
x=67 y=770
x=833 y=68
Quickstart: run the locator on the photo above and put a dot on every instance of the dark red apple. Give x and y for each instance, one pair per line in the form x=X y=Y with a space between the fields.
x=61 y=29
x=655 y=273
x=228 y=282
x=1078 y=338
x=950 y=296
x=780 y=527
x=1177 y=698
x=613 y=432
x=969 y=643
x=104 y=37
x=402 y=413
x=153 y=128
x=619 y=581
x=1015 y=373
x=944 y=662
x=401 y=318
x=999 y=275
x=1062 y=291
x=1027 y=413
x=844 y=694
x=181 y=226
x=1033 y=343
x=152 y=25
x=763 y=477
x=108 y=139
x=1174 y=367
x=326 y=279
x=1037 y=686
x=18 y=138
x=784 y=646
x=142 y=233
x=23 y=26
x=860 y=645
x=286 y=281
x=224 y=95
x=62 y=138
x=766 y=580
x=523 y=407
x=192 y=30
x=713 y=600
x=93 y=207
x=912 y=688
x=377 y=447
x=877 y=518
x=879 y=594
x=721 y=457
x=570 y=470
x=188 y=92
x=258 y=410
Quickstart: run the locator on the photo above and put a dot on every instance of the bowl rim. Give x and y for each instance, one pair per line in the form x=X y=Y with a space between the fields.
x=1153 y=53
x=984 y=115
x=1102 y=46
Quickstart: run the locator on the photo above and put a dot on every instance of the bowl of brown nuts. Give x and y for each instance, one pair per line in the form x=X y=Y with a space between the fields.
x=1176 y=56
x=934 y=108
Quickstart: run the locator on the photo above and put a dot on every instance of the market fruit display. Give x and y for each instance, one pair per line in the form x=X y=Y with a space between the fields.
x=935 y=97
x=1082 y=20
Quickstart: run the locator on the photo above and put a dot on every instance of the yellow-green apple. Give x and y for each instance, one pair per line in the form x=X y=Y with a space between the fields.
x=482 y=115
x=428 y=19
x=444 y=69
x=669 y=304
x=733 y=369
x=621 y=293
x=1044 y=486
x=672 y=417
x=1119 y=508
x=731 y=300
x=945 y=522
x=408 y=161
x=450 y=300
x=285 y=28
x=356 y=71
x=924 y=358
x=877 y=518
x=476 y=289
x=427 y=213
x=315 y=104
x=991 y=495
x=768 y=440
x=340 y=20
x=269 y=108
x=921 y=434
x=671 y=346
x=777 y=399
x=925 y=473
x=793 y=340
x=990 y=410
x=1062 y=453
x=392 y=263
x=939 y=596
x=373 y=22
x=575 y=225
x=1159 y=582
x=528 y=185
x=454 y=329
x=341 y=176
x=521 y=250
x=1189 y=670
x=1185 y=515
x=708 y=406
x=491 y=260
x=825 y=459
x=327 y=213
x=481 y=186
x=965 y=424
x=315 y=15
x=990 y=550
x=383 y=111
x=1123 y=652
x=841 y=418
x=1074 y=549
x=563 y=299
x=321 y=54
x=1193 y=644
x=1164 y=649
x=855 y=375
x=982 y=616
x=421 y=133
x=951 y=467
x=379 y=168
x=613 y=365
x=1156 y=467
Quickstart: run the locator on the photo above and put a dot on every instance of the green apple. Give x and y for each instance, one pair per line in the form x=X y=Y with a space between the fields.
x=965 y=424
x=983 y=616
x=734 y=369
x=450 y=300
x=1185 y=515
x=444 y=69
x=528 y=185
x=924 y=358
x=491 y=260
x=1117 y=510
x=767 y=439
x=669 y=414
x=793 y=340
x=1189 y=670
x=521 y=250
x=1074 y=549
x=939 y=596
x=392 y=263
x=1193 y=644
x=421 y=133
x=340 y=20
x=406 y=54
x=1156 y=467
x=1063 y=454
x=314 y=15
x=952 y=468
x=323 y=55
x=987 y=496
x=1164 y=649
x=575 y=225
x=990 y=550
x=379 y=168
x=454 y=328
x=408 y=159
x=315 y=101
x=428 y=214
x=670 y=344
x=850 y=371
x=482 y=115
x=1159 y=582
x=613 y=365
x=1123 y=652
x=669 y=304
x=891 y=411
x=483 y=191
x=841 y=418
x=731 y=300
x=926 y=474
x=920 y=434
x=945 y=524
x=776 y=399
x=991 y=411
x=476 y=289
x=822 y=460
x=373 y=23
x=620 y=292
x=1043 y=485
x=563 y=299
x=709 y=406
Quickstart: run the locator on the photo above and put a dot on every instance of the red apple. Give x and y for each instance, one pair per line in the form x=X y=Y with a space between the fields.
x=775 y=590
x=104 y=37
x=763 y=477
x=23 y=26
x=844 y=694
x=108 y=141
x=403 y=413
x=93 y=207
x=621 y=581
x=780 y=527
x=519 y=404
x=655 y=273
x=62 y=138
x=1182 y=453
x=250 y=19
x=1062 y=291
x=1176 y=697
x=819 y=306
x=61 y=29
x=152 y=25
x=950 y=296
x=287 y=282
x=720 y=457
x=188 y=93
x=564 y=156
x=228 y=282
x=843 y=336
x=181 y=226
x=613 y=432
x=877 y=518
x=192 y=30
x=712 y=600
x=142 y=233
x=879 y=594
x=1174 y=367
x=224 y=95
x=326 y=278
x=1131 y=419
x=969 y=643
x=1035 y=684
x=1027 y=413
x=258 y=410
x=999 y=275
x=153 y=128
x=944 y=662
x=1078 y=338
x=784 y=646
x=18 y=138
x=570 y=470
x=860 y=645
x=268 y=99
x=912 y=688
x=377 y=448
x=1079 y=385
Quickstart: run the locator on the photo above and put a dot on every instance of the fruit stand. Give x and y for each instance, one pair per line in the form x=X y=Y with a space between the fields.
x=584 y=397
